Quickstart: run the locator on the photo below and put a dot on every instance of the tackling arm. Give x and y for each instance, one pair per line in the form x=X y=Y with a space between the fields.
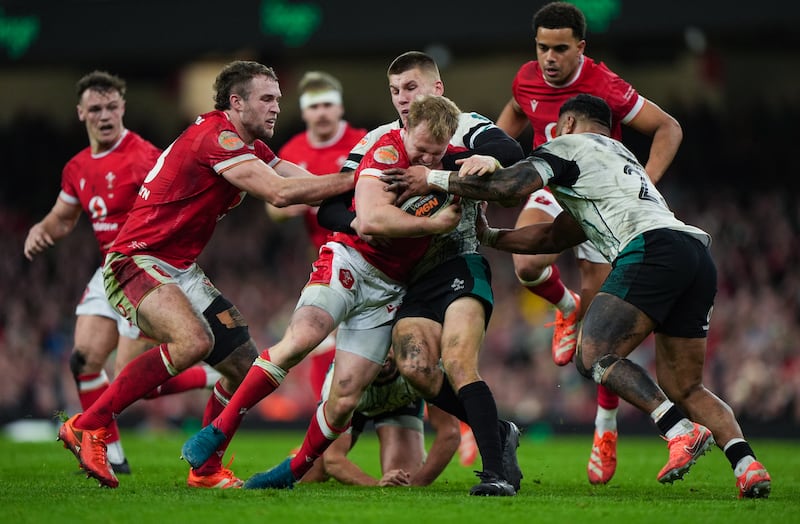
x=286 y=184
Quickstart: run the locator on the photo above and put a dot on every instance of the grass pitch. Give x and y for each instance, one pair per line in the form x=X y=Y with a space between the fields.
x=40 y=483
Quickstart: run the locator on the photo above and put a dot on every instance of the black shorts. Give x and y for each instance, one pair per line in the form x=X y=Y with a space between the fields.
x=671 y=277
x=462 y=276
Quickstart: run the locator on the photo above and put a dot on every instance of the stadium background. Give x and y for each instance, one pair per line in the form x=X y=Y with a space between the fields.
x=728 y=73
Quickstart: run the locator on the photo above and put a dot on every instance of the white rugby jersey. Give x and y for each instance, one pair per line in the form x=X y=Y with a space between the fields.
x=601 y=184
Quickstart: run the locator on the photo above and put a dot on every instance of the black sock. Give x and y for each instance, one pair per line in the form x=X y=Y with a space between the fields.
x=670 y=418
x=447 y=401
x=737 y=452
x=481 y=410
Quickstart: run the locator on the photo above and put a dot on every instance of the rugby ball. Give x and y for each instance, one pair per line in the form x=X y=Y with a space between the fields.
x=428 y=205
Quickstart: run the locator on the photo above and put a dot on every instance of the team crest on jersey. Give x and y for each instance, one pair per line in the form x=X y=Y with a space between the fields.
x=386 y=155
x=346 y=278
x=230 y=141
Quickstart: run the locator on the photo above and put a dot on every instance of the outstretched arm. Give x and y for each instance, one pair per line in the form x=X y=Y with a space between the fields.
x=546 y=237
x=511 y=183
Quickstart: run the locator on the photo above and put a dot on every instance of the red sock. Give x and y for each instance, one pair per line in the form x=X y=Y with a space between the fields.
x=142 y=375
x=552 y=289
x=319 y=436
x=90 y=388
x=216 y=404
x=320 y=363
x=262 y=379
x=606 y=398
x=192 y=378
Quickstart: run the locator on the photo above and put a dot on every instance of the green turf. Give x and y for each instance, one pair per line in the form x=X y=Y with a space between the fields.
x=39 y=482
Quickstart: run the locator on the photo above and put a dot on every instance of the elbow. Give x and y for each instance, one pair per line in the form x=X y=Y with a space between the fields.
x=368 y=225
x=281 y=199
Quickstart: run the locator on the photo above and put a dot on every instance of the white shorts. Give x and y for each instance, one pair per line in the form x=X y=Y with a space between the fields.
x=360 y=298
x=151 y=273
x=94 y=302
x=543 y=200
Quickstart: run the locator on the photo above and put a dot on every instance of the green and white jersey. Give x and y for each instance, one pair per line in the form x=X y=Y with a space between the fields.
x=601 y=184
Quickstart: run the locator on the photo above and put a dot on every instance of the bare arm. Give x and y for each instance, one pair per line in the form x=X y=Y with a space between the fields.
x=338 y=466
x=666 y=133
x=379 y=216
x=57 y=224
x=501 y=185
x=512 y=120
x=286 y=184
x=546 y=237
x=445 y=444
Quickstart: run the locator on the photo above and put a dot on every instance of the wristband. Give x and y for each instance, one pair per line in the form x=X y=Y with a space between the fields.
x=489 y=236
x=440 y=179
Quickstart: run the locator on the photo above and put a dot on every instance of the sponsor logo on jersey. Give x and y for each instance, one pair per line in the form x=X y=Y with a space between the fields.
x=534 y=104
x=230 y=141
x=542 y=199
x=98 y=208
x=105 y=226
x=457 y=285
x=386 y=155
x=346 y=278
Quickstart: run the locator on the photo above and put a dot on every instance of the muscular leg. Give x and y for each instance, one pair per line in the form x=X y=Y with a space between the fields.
x=187 y=340
x=679 y=367
x=352 y=374
x=416 y=346
x=612 y=329
x=95 y=339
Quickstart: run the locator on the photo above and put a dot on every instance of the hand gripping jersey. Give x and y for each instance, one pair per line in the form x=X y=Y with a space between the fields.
x=185 y=194
x=105 y=185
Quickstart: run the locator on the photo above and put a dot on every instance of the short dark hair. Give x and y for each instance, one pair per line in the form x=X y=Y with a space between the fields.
x=101 y=81
x=413 y=60
x=588 y=106
x=235 y=78
x=560 y=15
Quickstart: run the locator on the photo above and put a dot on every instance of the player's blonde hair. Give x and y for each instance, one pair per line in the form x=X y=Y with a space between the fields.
x=439 y=112
x=314 y=81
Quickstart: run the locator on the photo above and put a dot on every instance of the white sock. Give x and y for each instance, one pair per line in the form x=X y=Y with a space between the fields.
x=567 y=303
x=743 y=464
x=212 y=376
x=115 y=453
x=683 y=427
x=605 y=420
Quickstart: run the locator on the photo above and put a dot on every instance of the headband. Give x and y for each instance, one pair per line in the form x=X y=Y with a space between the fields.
x=320 y=97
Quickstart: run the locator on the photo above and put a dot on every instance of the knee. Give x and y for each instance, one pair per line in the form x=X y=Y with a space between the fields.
x=85 y=360
x=201 y=345
x=530 y=269
x=340 y=409
x=597 y=367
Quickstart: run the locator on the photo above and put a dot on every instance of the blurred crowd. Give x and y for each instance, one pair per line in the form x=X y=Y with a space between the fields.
x=726 y=180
